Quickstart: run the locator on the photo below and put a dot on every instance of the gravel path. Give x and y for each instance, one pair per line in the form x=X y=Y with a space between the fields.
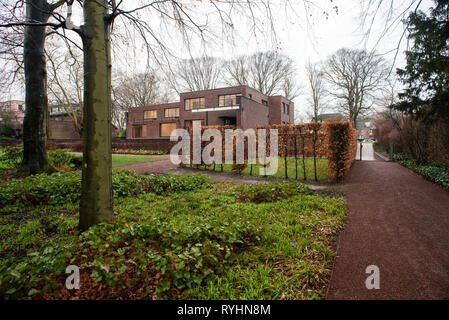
x=399 y=222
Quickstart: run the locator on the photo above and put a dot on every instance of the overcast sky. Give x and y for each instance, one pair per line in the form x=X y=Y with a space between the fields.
x=301 y=32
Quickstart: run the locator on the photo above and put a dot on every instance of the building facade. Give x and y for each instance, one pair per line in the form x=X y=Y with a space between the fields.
x=241 y=106
x=15 y=110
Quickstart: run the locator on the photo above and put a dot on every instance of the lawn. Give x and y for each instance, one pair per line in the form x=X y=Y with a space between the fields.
x=118 y=161
x=172 y=237
x=61 y=159
x=322 y=169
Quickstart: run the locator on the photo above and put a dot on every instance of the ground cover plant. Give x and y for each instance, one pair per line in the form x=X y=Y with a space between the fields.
x=172 y=237
x=432 y=172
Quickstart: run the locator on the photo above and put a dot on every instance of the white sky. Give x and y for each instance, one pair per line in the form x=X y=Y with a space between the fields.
x=298 y=35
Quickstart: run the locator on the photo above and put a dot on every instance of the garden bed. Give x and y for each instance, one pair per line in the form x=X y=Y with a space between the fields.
x=432 y=172
x=172 y=237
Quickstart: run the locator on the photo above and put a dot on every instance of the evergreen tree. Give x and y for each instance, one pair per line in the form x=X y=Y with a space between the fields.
x=426 y=75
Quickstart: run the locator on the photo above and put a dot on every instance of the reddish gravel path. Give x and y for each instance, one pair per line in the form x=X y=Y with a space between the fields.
x=399 y=222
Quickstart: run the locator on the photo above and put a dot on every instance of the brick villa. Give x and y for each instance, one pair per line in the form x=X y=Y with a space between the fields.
x=241 y=106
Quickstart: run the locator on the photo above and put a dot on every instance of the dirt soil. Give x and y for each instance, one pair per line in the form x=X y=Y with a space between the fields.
x=399 y=222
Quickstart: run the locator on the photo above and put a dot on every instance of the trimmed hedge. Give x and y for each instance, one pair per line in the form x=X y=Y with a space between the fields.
x=341 y=148
x=336 y=141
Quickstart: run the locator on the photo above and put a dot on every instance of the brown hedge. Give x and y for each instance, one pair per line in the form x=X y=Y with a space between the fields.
x=335 y=141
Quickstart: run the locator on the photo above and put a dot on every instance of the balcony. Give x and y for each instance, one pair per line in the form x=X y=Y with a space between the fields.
x=236 y=106
x=152 y=120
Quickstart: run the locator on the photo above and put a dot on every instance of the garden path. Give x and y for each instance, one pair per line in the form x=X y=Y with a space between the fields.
x=398 y=222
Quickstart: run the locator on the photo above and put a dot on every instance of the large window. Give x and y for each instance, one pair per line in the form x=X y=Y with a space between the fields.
x=228 y=100
x=167 y=128
x=171 y=113
x=196 y=103
x=150 y=114
x=137 y=132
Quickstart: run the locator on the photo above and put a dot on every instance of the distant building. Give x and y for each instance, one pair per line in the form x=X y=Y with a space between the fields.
x=61 y=125
x=240 y=106
x=331 y=117
x=15 y=109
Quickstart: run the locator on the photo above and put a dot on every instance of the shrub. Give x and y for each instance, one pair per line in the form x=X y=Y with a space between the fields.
x=436 y=173
x=76 y=161
x=164 y=184
x=11 y=156
x=270 y=192
x=64 y=187
x=342 y=147
x=60 y=158
x=57 y=188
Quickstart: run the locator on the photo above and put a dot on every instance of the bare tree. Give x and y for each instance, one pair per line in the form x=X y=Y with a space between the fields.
x=99 y=19
x=315 y=79
x=39 y=15
x=65 y=83
x=269 y=72
x=197 y=74
x=356 y=79
x=11 y=49
x=136 y=90
x=386 y=15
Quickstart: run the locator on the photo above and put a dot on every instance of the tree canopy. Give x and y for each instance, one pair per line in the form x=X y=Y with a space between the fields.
x=426 y=74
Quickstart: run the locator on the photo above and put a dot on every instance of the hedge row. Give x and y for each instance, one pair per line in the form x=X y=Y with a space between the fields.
x=336 y=141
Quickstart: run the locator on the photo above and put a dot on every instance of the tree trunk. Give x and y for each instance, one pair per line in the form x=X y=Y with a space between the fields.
x=96 y=196
x=36 y=104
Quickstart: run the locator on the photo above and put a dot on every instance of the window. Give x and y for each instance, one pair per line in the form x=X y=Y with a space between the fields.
x=228 y=100
x=166 y=129
x=196 y=103
x=137 y=132
x=251 y=96
x=171 y=113
x=265 y=102
x=288 y=108
x=150 y=114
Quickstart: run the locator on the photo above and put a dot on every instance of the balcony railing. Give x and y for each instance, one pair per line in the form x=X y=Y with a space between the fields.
x=158 y=119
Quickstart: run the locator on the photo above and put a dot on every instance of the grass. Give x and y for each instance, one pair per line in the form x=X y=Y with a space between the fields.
x=118 y=161
x=224 y=241
x=322 y=169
